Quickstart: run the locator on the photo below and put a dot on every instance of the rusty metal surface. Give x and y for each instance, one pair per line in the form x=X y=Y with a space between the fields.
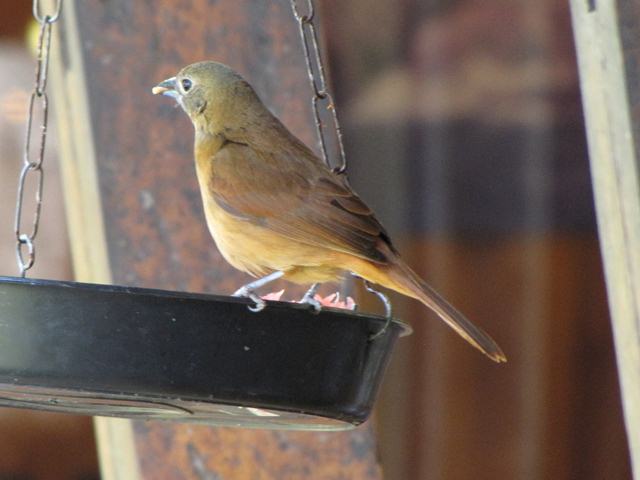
x=198 y=452
x=155 y=227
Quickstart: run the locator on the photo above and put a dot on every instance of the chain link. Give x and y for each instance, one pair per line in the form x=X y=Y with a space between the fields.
x=321 y=94
x=32 y=167
x=47 y=18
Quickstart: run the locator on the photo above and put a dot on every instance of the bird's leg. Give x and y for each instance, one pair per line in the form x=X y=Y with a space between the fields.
x=249 y=290
x=309 y=298
x=387 y=308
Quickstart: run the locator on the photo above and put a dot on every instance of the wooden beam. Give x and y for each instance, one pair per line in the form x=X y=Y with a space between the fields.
x=608 y=40
x=134 y=207
x=84 y=212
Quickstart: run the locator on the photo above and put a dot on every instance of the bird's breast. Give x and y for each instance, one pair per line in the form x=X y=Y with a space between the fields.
x=243 y=244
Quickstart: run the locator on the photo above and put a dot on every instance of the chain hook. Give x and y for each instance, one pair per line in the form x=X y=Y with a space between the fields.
x=31 y=252
x=387 y=309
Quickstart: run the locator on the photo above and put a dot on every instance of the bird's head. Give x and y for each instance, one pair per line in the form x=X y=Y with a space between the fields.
x=211 y=93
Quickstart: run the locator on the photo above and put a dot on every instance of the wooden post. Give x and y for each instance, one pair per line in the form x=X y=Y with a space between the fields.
x=608 y=44
x=134 y=208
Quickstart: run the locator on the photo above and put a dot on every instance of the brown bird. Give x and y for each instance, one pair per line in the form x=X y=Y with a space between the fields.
x=276 y=210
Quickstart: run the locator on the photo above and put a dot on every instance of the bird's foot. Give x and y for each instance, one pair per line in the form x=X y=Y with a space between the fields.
x=310 y=298
x=312 y=302
x=247 y=292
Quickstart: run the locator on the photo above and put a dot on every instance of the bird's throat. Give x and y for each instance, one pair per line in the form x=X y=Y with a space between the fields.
x=207 y=144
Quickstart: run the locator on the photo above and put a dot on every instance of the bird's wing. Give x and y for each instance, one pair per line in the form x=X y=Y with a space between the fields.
x=293 y=194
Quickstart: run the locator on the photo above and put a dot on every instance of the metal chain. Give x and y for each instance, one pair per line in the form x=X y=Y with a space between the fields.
x=33 y=167
x=321 y=94
x=315 y=69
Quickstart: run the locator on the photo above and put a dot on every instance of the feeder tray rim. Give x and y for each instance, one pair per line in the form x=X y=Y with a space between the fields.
x=178 y=294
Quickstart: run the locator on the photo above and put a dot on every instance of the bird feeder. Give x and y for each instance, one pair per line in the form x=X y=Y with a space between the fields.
x=119 y=351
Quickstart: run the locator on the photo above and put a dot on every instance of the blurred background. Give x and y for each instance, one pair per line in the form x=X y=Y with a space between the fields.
x=464 y=130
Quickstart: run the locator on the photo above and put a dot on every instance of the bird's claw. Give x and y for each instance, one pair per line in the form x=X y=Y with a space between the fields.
x=259 y=306
x=312 y=302
x=250 y=294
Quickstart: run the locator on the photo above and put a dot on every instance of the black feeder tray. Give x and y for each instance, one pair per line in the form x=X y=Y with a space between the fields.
x=151 y=354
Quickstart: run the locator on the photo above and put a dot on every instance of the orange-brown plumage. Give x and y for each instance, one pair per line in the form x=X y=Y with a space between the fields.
x=272 y=205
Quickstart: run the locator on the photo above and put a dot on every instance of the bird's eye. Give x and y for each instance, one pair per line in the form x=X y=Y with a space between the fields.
x=186 y=84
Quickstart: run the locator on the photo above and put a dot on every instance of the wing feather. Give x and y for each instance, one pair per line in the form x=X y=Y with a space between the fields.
x=295 y=195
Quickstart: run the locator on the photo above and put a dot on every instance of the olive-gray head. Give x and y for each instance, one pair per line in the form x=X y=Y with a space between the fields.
x=210 y=93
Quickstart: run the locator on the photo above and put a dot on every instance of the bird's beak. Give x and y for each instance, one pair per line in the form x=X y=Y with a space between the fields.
x=166 y=87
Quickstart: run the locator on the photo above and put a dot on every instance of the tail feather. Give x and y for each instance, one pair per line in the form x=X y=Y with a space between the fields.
x=406 y=281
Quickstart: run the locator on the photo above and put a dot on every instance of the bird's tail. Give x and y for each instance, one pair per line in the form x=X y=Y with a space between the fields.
x=404 y=280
